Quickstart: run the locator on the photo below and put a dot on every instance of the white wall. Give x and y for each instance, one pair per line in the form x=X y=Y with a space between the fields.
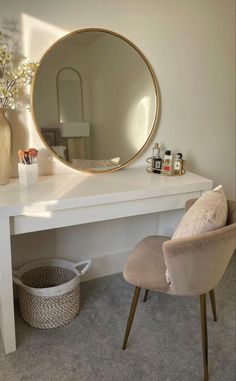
x=190 y=45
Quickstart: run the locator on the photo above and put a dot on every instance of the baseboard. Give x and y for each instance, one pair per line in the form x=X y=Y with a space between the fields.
x=107 y=264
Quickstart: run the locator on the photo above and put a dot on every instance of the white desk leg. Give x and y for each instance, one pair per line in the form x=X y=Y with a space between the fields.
x=7 y=320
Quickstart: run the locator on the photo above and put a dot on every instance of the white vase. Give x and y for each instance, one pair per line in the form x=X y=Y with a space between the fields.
x=5 y=148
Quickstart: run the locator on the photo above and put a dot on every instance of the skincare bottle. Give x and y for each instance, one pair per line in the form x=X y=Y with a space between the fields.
x=156 y=159
x=167 y=166
x=178 y=162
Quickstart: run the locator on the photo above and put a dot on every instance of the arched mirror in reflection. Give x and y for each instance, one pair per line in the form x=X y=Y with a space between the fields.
x=73 y=129
x=95 y=100
x=69 y=95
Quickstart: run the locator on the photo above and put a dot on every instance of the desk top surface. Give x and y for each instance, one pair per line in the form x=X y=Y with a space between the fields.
x=58 y=192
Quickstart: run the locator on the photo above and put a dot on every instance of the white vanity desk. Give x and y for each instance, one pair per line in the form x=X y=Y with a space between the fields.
x=72 y=199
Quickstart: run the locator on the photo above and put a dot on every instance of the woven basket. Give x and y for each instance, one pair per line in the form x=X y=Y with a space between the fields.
x=49 y=291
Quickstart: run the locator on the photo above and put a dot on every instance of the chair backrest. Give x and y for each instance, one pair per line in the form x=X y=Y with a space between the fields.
x=231 y=212
x=196 y=264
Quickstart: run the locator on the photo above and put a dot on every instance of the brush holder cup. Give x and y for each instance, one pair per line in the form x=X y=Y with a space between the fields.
x=28 y=173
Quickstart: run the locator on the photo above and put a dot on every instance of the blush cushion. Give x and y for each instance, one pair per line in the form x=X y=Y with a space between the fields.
x=208 y=213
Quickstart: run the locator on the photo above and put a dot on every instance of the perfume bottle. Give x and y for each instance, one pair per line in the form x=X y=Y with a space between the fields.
x=156 y=159
x=167 y=165
x=178 y=162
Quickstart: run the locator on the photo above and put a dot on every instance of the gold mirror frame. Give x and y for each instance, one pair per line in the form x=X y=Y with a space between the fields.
x=157 y=110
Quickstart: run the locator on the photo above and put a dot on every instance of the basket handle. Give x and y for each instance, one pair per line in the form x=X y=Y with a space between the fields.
x=87 y=264
x=16 y=279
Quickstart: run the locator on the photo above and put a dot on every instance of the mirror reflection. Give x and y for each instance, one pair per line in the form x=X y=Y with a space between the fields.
x=95 y=100
x=70 y=96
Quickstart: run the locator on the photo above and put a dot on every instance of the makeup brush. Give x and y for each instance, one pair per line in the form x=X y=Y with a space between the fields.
x=21 y=156
x=33 y=153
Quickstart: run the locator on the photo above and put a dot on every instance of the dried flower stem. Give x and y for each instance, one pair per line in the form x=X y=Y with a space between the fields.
x=12 y=79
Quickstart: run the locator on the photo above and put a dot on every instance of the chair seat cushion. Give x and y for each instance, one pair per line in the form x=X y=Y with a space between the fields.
x=146 y=266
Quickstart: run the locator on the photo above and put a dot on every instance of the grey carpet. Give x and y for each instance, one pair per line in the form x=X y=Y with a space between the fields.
x=164 y=344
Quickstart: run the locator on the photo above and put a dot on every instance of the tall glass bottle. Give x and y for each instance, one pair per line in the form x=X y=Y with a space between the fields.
x=156 y=159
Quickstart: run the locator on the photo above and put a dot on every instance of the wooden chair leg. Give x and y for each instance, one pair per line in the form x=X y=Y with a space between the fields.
x=204 y=335
x=131 y=315
x=145 y=295
x=213 y=304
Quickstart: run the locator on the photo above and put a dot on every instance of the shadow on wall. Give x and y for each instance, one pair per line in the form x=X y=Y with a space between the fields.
x=21 y=42
x=20 y=137
x=11 y=35
x=47 y=246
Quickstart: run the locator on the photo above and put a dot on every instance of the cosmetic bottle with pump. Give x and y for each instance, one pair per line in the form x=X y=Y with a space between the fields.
x=156 y=159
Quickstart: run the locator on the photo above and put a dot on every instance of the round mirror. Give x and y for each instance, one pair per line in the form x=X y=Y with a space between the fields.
x=95 y=100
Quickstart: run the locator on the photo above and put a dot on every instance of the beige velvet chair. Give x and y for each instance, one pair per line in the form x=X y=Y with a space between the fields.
x=195 y=264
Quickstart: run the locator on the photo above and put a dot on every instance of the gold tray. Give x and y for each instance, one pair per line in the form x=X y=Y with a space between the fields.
x=164 y=172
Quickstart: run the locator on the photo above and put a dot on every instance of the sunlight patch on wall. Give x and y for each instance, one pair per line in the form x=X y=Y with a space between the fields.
x=139 y=119
x=38 y=36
